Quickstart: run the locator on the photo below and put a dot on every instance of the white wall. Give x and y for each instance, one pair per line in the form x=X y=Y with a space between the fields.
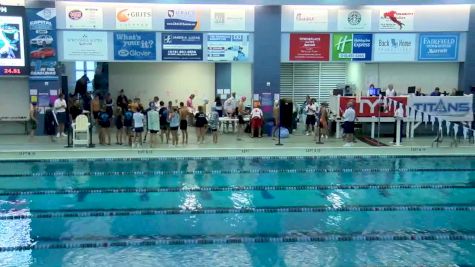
x=241 y=80
x=15 y=97
x=402 y=75
x=169 y=81
x=355 y=76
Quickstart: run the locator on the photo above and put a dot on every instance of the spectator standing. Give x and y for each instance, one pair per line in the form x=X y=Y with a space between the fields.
x=153 y=125
x=214 y=123
x=138 y=127
x=276 y=115
x=184 y=123
x=109 y=105
x=60 y=110
x=349 y=118
x=241 y=112
x=122 y=101
x=104 y=121
x=33 y=120
x=257 y=119
x=128 y=124
x=163 y=113
x=119 y=124
x=323 y=122
x=51 y=123
x=311 y=116
x=218 y=106
x=398 y=116
x=174 y=119
x=201 y=123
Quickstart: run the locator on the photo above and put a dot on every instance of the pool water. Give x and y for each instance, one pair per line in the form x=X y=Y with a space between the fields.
x=295 y=211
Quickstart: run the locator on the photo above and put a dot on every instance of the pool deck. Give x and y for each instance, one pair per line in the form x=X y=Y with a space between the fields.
x=18 y=147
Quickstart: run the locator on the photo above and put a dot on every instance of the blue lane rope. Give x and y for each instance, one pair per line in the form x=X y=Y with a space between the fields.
x=45 y=214
x=286 y=238
x=235 y=171
x=231 y=188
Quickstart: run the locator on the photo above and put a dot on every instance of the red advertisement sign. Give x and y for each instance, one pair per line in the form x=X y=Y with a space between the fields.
x=309 y=47
x=368 y=106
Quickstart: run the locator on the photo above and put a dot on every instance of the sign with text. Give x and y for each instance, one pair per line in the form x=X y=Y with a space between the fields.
x=135 y=46
x=449 y=108
x=396 y=19
x=368 y=106
x=354 y=20
x=310 y=20
x=356 y=47
x=182 y=46
x=228 y=46
x=133 y=18
x=85 y=45
x=12 y=41
x=84 y=17
x=233 y=19
x=394 y=47
x=182 y=19
x=309 y=47
x=434 y=47
x=43 y=42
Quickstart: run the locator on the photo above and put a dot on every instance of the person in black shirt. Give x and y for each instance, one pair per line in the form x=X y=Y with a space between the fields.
x=75 y=110
x=200 y=124
x=122 y=101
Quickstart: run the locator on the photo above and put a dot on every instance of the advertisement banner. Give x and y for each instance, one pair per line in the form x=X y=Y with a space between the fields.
x=396 y=19
x=449 y=108
x=354 y=20
x=438 y=47
x=12 y=41
x=85 y=45
x=135 y=46
x=368 y=106
x=309 y=47
x=133 y=18
x=182 y=46
x=182 y=19
x=228 y=19
x=310 y=20
x=356 y=47
x=228 y=47
x=43 y=42
x=394 y=47
x=82 y=17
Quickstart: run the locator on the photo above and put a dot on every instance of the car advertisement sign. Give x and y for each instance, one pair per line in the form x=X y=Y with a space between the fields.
x=452 y=108
x=394 y=47
x=135 y=46
x=85 y=45
x=396 y=19
x=182 y=46
x=435 y=47
x=354 y=20
x=133 y=18
x=228 y=47
x=310 y=20
x=228 y=19
x=309 y=47
x=43 y=42
x=356 y=47
x=84 y=17
x=182 y=19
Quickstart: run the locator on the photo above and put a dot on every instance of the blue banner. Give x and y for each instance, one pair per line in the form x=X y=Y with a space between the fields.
x=438 y=47
x=42 y=43
x=182 y=46
x=362 y=47
x=182 y=19
x=228 y=46
x=135 y=46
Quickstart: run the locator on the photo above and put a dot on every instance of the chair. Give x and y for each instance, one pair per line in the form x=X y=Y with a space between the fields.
x=81 y=126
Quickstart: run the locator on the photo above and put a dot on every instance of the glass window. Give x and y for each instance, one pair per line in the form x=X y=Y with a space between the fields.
x=90 y=65
x=79 y=65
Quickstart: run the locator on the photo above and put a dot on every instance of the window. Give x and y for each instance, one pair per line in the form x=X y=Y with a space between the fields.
x=88 y=68
x=297 y=80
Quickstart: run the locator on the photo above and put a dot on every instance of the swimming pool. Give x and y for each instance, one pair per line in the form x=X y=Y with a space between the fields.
x=263 y=211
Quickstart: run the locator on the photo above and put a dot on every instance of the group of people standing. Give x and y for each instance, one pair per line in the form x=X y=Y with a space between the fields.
x=316 y=115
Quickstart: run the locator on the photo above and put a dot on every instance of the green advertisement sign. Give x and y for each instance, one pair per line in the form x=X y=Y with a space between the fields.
x=342 y=46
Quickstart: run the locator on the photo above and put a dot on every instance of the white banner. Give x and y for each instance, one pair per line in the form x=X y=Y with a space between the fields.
x=354 y=20
x=228 y=19
x=85 y=45
x=133 y=18
x=84 y=17
x=310 y=20
x=449 y=108
x=396 y=19
x=228 y=46
x=394 y=47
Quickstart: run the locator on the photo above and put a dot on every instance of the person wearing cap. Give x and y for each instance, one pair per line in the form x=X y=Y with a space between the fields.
x=214 y=123
x=257 y=117
x=241 y=112
x=349 y=123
